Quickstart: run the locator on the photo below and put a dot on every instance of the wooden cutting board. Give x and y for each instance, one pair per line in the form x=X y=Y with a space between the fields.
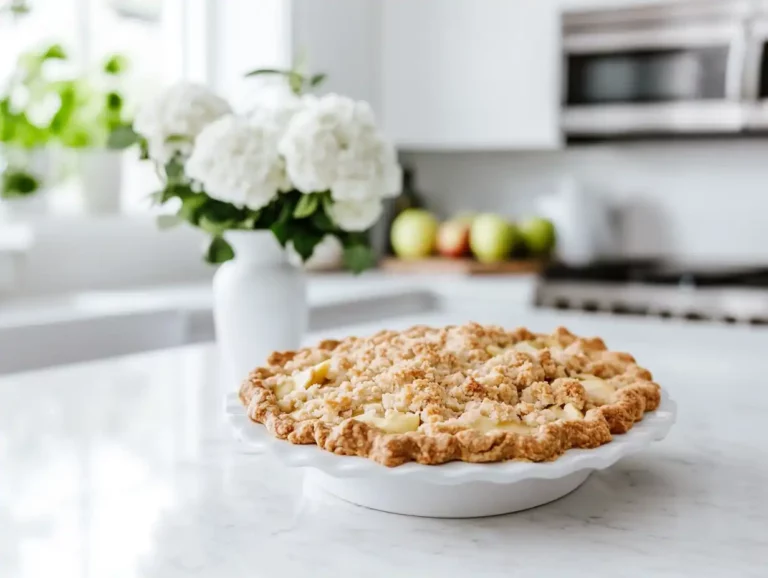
x=461 y=266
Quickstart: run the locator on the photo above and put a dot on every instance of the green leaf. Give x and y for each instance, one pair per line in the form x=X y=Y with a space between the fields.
x=219 y=251
x=322 y=222
x=214 y=227
x=306 y=206
x=296 y=82
x=18 y=183
x=191 y=208
x=304 y=243
x=286 y=211
x=174 y=171
x=143 y=149
x=220 y=212
x=114 y=101
x=122 y=137
x=18 y=8
x=67 y=93
x=357 y=258
x=157 y=198
x=54 y=51
x=165 y=222
x=281 y=231
x=295 y=79
x=356 y=238
x=317 y=79
x=266 y=72
x=116 y=64
x=168 y=193
x=249 y=222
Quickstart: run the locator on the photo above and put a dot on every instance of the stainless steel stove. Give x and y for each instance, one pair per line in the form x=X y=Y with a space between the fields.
x=654 y=288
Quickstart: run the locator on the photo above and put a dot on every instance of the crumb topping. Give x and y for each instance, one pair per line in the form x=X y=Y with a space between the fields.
x=456 y=381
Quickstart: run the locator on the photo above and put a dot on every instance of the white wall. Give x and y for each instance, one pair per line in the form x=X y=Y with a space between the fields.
x=341 y=38
x=703 y=201
x=338 y=37
x=246 y=35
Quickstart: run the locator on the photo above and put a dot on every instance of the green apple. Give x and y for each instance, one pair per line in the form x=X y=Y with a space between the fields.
x=492 y=238
x=413 y=234
x=538 y=235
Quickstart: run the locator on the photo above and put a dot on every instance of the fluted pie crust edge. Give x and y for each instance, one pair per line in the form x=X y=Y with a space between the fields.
x=562 y=356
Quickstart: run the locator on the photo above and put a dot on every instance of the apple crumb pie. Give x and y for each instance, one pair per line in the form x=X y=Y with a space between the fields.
x=432 y=395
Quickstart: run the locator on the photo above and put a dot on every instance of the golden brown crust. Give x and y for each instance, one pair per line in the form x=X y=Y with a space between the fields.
x=446 y=376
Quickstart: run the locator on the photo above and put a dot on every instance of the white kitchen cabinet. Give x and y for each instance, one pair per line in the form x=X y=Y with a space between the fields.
x=471 y=75
x=341 y=39
x=336 y=37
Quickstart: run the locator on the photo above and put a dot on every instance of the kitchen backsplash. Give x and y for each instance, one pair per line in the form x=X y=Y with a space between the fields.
x=705 y=201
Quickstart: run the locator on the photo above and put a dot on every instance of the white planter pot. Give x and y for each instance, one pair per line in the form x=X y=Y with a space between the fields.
x=101 y=171
x=260 y=304
x=23 y=208
x=38 y=162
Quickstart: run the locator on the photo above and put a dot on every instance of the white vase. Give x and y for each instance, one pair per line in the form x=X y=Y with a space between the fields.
x=101 y=171
x=260 y=304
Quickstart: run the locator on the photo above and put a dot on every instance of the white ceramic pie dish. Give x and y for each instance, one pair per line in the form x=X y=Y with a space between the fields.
x=456 y=489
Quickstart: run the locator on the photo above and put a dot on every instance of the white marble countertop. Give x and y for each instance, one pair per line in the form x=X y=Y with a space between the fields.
x=126 y=468
x=322 y=290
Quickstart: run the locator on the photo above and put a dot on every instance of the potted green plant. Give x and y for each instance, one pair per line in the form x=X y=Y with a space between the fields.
x=28 y=119
x=97 y=128
x=45 y=108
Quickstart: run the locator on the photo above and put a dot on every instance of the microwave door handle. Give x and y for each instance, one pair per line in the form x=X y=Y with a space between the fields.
x=673 y=37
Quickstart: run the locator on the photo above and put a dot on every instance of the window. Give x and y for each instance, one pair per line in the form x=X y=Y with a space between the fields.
x=155 y=35
x=46 y=20
x=151 y=33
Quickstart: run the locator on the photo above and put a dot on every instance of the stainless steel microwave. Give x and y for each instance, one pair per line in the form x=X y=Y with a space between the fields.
x=675 y=67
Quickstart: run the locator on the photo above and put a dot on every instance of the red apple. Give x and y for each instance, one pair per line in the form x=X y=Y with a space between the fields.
x=453 y=239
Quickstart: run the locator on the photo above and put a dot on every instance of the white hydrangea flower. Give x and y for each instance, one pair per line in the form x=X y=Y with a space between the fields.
x=355 y=215
x=180 y=114
x=276 y=113
x=368 y=169
x=267 y=99
x=238 y=163
x=333 y=144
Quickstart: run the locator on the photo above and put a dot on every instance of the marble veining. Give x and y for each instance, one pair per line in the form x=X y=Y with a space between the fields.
x=126 y=468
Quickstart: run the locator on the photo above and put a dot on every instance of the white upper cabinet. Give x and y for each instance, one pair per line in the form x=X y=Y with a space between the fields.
x=471 y=74
x=341 y=39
